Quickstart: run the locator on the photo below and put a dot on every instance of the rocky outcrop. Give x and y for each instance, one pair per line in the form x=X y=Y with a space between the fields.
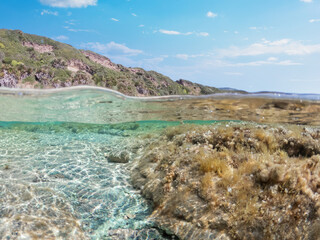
x=76 y=65
x=177 y=212
x=193 y=88
x=104 y=61
x=8 y=79
x=59 y=63
x=142 y=91
x=44 y=77
x=82 y=78
x=122 y=157
x=136 y=70
x=39 y=48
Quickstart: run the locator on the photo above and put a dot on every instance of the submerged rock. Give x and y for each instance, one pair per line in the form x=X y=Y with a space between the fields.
x=233 y=181
x=122 y=157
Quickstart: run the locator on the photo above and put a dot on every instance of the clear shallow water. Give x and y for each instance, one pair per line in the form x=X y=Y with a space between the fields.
x=55 y=181
x=52 y=176
x=102 y=106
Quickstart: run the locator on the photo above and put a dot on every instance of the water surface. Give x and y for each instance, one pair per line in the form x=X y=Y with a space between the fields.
x=102 y=106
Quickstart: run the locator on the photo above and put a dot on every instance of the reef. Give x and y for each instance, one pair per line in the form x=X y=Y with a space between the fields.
x=232 y=180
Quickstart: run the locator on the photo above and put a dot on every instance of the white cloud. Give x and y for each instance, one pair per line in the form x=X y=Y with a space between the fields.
x=133 y=14
x=112 y=48
x=220 y=63
x=306 y=1
x=211 y=14
x=288 y=63
x=263 y=62
x=212 y=62
x=182 y=56
x=62 y=38
x=152 y=62
x=278 y=42
x=204 y=34
x=146 y=63
x=272 y=59
x=69 y=3
x=283 y=46
x=187 y=56
x=259 y=28
x=170 y=32
x=314 y=20
x=209 y=64
x=141 y=25
x=303 y=80
x=114 y=19
x=77 y=30
x=71 y=22
x=233 y=73
x=49 y=13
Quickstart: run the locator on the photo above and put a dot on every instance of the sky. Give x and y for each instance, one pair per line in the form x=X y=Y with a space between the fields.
x=261 y=45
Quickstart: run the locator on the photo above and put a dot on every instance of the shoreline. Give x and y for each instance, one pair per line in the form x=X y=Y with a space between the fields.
x=224 y=95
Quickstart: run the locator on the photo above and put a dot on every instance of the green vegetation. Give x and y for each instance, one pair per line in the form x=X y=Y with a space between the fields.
x=15 y=63
x=61 y=74
x=49 y=62
x=29 y=79
x=7 y=60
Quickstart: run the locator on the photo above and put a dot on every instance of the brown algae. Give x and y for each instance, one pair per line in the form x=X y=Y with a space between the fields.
x=233 y=181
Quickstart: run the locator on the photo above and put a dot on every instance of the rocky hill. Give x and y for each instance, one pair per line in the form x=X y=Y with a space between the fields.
x=31 y=61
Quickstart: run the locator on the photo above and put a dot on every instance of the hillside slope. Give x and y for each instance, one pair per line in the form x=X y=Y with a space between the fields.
x=31 y=61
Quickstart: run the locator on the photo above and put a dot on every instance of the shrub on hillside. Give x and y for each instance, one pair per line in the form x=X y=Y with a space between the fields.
x=7 y=60
x=30 y=79
x=59 y=63
x=15 y=63
x=62 y=75
x=2 y=56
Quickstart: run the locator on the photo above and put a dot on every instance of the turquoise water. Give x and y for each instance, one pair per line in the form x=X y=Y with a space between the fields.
x=55 y=178
x=56 y=174
x=102 y=106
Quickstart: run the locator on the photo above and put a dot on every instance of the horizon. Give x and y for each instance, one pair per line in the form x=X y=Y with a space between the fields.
x=266 y=46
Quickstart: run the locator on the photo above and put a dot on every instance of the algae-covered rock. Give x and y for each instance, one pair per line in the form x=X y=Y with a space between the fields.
x=122 y=157
x=233 y=181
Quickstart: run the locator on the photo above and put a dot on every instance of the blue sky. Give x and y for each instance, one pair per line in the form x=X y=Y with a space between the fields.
x=252 y=45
